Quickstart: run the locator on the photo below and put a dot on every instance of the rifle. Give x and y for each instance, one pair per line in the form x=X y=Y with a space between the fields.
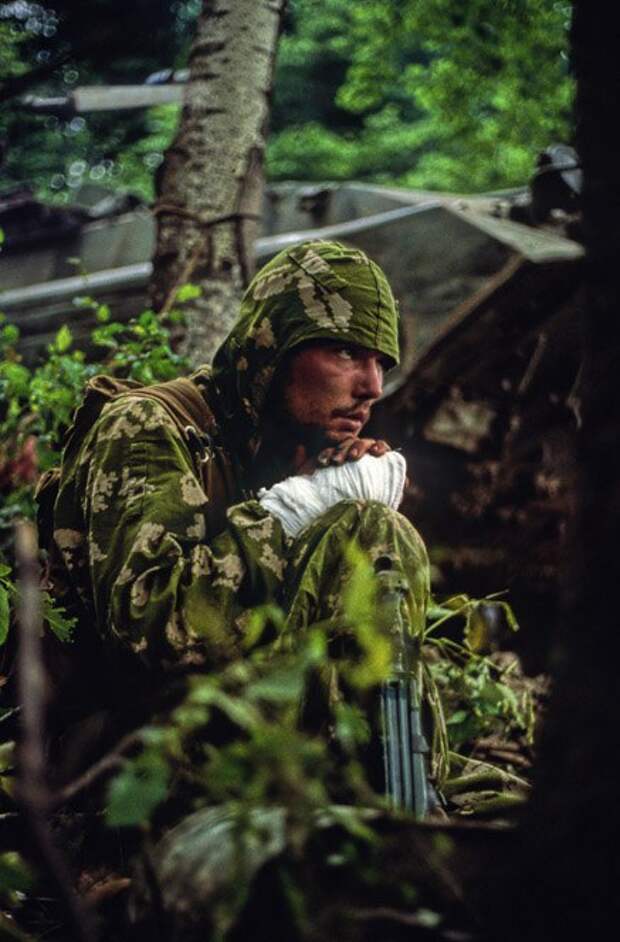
x=404 y=745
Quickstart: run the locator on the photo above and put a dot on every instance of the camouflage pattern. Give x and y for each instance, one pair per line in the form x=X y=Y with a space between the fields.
x=131 y=517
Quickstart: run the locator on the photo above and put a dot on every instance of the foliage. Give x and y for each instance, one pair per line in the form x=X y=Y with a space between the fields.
x=53 y=615
x=37 y=404
x=447 y=96
x=267 y=758
x=471 y=696
x=91 y=45
x=421 y=93
x=40 y=400
x=484 y=703
x=136 y=164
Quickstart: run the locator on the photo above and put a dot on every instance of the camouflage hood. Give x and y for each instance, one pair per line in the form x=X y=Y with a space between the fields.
x=313 y=291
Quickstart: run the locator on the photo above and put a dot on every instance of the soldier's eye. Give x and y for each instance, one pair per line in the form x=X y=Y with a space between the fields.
x=345 y=353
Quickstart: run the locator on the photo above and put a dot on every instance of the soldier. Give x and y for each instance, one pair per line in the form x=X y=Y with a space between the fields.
x=159 y=523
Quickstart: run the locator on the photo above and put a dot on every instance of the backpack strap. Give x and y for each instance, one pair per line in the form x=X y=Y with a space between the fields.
x=185 y=404
x=183 y=401
x=195 y=421
x=98 y=391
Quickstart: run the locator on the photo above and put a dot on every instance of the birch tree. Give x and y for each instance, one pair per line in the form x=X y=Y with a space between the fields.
x=211 y=182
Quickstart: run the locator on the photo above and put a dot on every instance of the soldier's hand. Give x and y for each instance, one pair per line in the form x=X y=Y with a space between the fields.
x=352 y=449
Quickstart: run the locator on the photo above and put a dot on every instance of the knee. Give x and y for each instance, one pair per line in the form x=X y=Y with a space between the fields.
x=388 y=537
x=371 y=518
x=374 y=526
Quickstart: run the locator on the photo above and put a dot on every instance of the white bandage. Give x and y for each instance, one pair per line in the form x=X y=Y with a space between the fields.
x=298 y=501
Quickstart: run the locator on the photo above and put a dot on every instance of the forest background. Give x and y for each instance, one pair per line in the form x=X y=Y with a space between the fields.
x=427 y=94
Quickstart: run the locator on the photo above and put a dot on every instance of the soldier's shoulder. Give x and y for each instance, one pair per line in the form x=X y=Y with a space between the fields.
x=132 y=416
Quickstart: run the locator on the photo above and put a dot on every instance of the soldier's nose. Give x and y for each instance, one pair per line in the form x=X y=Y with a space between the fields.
x=371 y=379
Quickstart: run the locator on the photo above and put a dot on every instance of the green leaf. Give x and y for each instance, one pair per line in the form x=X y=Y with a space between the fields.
x=84 y=300
x=281 y=686
x=7 y=753
x=456 y=602
x=17 y=379
x=4 y=614
x=188 y=292
x=14 y=874
x=352 y=725
x=9 y=334
x=4 y=570
x=236 y=709
x=476 y=633
x=262 y=618
x=511 y=618
x=457 y=717
x=62 y=626
x=63 y=339
x=349 y=817
x=135 y=793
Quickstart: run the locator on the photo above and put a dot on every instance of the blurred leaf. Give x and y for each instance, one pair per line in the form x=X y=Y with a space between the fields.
x=242 y=713
x=459 y=716
x=260 y=620
x=4 y=614
x=16 y=378
x=280 y=686
x=137 y=790
x=9 y=334
x=84 y=300
x=7 y=753
x=14 y=874
x=63 y=339
x=353 y=819
x=188 y=292
x=352 y=726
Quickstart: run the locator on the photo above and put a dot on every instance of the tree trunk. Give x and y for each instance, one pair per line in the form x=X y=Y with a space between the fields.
x=563 y=882
x=211 y=182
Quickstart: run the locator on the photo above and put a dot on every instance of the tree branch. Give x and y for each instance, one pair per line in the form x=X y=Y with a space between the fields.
x=32 y=792
x=108 y=763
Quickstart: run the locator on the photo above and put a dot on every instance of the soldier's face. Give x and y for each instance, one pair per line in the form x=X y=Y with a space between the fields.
x=330 y=389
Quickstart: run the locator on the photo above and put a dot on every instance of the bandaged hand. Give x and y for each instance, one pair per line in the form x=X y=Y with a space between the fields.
x=298 y=501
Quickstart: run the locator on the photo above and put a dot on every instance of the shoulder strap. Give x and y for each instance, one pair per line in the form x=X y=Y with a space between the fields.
x=189 y=410
x=98 y=391
x=183 y=401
